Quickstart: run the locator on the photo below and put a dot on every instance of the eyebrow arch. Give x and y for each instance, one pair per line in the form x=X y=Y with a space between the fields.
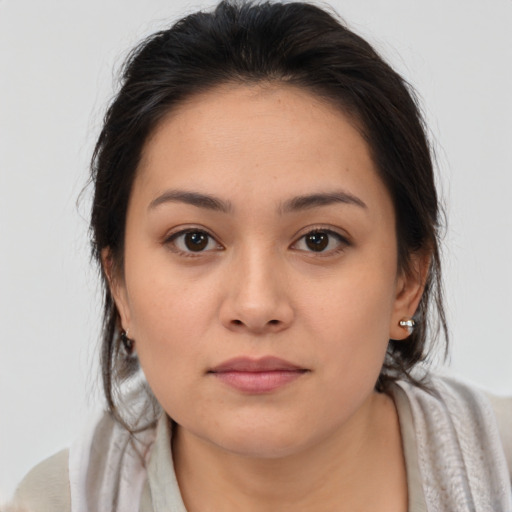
x=320 y=199
x=193 y=198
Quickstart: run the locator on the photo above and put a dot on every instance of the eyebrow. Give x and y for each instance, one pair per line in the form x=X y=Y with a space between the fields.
x=306 y=202
x=193 y=198
x=295 y=204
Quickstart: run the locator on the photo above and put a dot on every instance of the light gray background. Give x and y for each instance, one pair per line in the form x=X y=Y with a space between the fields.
x=56 y=62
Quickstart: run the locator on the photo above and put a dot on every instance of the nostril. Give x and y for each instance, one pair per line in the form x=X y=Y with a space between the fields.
x=274 y=322
x=237 y=322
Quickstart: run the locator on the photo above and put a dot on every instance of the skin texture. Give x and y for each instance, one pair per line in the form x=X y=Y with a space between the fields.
x=326 y=440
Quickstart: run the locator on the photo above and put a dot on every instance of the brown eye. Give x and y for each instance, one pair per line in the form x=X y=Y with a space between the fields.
x=196 y=240
x=323 y=241
x=193 y=241
x=317 y=241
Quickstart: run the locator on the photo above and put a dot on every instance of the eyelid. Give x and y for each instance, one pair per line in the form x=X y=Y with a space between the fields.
x=171 y=236
x=344 y=240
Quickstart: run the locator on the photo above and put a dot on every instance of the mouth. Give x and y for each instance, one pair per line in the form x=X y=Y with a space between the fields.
x=256 y=376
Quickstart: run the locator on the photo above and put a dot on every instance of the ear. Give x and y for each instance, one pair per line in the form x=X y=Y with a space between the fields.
x=409 y=290
x=117 y=287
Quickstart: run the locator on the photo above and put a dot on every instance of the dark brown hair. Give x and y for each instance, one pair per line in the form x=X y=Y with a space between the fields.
x=290 y=43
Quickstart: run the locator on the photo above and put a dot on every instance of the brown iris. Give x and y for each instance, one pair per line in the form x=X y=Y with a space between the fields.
x=317 y=241
x=196 y=240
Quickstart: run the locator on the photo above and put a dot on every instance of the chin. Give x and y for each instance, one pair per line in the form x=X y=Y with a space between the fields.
x=263 y=447
x=264 y=439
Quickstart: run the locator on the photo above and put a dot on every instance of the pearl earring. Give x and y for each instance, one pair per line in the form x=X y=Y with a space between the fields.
x=408 y=324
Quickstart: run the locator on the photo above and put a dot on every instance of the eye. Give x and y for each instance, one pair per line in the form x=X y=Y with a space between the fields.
x=193 y=241
x=321 y=241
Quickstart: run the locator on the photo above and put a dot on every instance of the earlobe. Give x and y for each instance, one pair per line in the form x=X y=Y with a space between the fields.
x=409 y=290
x=116 y=286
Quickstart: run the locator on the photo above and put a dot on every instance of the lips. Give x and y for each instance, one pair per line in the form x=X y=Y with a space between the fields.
x=257 y=375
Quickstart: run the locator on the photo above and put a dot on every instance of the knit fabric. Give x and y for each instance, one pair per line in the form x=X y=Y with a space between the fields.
x=460 y=453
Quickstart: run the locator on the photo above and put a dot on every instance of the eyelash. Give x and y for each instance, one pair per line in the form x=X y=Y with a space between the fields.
x=343 y=243
x=170 y=241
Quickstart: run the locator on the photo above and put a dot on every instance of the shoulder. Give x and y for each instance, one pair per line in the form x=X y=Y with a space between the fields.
x=502 y=407
x=46 y=487
x=106 y=455
x=469 y=407
x=480 y=401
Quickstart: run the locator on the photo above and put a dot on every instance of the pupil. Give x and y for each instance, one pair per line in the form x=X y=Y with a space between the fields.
x=317 y=241
x=196 y=241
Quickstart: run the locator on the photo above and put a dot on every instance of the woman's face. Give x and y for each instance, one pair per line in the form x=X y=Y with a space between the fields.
x=260 y=278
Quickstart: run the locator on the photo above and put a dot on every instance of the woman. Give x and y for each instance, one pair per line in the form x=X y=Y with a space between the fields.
x=266 y=221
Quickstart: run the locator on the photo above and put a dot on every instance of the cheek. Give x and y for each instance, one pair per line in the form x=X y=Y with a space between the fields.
x=351 y=318
x=359 y=297
x=170 y=316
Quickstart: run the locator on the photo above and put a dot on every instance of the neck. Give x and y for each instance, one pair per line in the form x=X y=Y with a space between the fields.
x=357 y=467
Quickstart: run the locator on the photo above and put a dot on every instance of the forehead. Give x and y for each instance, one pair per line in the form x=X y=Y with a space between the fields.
x=258 y=141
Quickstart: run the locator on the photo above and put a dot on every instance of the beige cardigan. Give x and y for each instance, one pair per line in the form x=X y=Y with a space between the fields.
x=46 y=487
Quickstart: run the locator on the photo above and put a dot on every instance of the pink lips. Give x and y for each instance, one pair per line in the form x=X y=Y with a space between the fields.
x=257 y=375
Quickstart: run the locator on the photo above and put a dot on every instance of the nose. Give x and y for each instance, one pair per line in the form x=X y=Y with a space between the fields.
x=257 y=298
